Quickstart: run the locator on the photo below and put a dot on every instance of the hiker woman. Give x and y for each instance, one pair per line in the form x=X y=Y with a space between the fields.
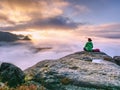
x=89 y=45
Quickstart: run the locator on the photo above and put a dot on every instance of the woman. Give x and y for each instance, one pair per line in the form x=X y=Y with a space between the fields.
x=89 y=45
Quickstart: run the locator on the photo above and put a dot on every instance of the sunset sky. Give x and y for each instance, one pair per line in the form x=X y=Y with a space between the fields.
x=42 y=18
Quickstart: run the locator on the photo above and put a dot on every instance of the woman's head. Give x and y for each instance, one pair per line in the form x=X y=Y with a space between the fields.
x=89 y=39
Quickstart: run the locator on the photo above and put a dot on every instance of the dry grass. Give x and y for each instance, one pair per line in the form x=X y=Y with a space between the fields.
x=23 y=87
x=65 y=81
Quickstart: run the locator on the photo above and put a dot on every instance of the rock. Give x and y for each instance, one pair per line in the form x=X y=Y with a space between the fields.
x=117 y=59
x=11 y=74
x=2 y=84
x=74 y=72
x=88 y=56
x=8 y=37
x=26 y=38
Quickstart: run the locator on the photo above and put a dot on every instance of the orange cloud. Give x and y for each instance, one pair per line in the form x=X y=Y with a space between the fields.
x=5 y=20
x=25 y=10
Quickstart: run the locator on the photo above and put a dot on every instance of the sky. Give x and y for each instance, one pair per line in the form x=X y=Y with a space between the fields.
x=62 y=24
x=91 y=16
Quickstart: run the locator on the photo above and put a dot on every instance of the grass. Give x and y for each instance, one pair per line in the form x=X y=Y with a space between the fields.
x=23 y=87
x=65 y=81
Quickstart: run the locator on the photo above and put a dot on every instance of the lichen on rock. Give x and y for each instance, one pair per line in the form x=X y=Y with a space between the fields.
x=79 y=71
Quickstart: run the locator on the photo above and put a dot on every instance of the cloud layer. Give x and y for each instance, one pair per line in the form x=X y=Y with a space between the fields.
x=26 y=54
x=104 y=30
x=24 y=12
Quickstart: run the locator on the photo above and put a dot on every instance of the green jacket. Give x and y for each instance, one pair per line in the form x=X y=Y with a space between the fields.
x=89 y=46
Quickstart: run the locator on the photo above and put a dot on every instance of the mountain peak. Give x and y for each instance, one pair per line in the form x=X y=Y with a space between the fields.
x=77 y=71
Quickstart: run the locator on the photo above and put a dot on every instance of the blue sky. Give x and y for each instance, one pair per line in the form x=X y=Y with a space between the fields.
x=97 y=11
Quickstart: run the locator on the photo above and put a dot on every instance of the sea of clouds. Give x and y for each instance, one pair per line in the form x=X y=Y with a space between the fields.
x=26 y=54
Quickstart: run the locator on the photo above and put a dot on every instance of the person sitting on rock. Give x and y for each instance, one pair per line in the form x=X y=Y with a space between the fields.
x=89 y=45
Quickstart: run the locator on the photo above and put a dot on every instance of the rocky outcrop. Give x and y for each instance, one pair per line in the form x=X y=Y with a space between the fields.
x=9 y=37
x=6 y=36
x=26 y=38
x=11 y=74
x=117 y=59
x=88 y=56
x=77 y=72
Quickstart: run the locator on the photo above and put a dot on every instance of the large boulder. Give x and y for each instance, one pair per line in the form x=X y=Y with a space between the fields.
x=73 y=72
x=88 y=56
x=11 y=74
x=117 y=59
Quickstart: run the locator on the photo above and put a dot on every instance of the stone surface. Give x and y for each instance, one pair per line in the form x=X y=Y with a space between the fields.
x=11 y=74
x=117 y=59
x=77 y=72
x=88 y=56
x=26 y=38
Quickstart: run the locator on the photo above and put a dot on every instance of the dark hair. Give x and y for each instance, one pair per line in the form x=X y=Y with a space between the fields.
x=89 y=39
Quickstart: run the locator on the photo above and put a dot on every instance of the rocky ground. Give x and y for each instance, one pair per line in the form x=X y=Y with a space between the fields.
x=77 y=72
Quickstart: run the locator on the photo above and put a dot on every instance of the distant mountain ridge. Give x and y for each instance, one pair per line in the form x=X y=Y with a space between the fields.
x=9 y=37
